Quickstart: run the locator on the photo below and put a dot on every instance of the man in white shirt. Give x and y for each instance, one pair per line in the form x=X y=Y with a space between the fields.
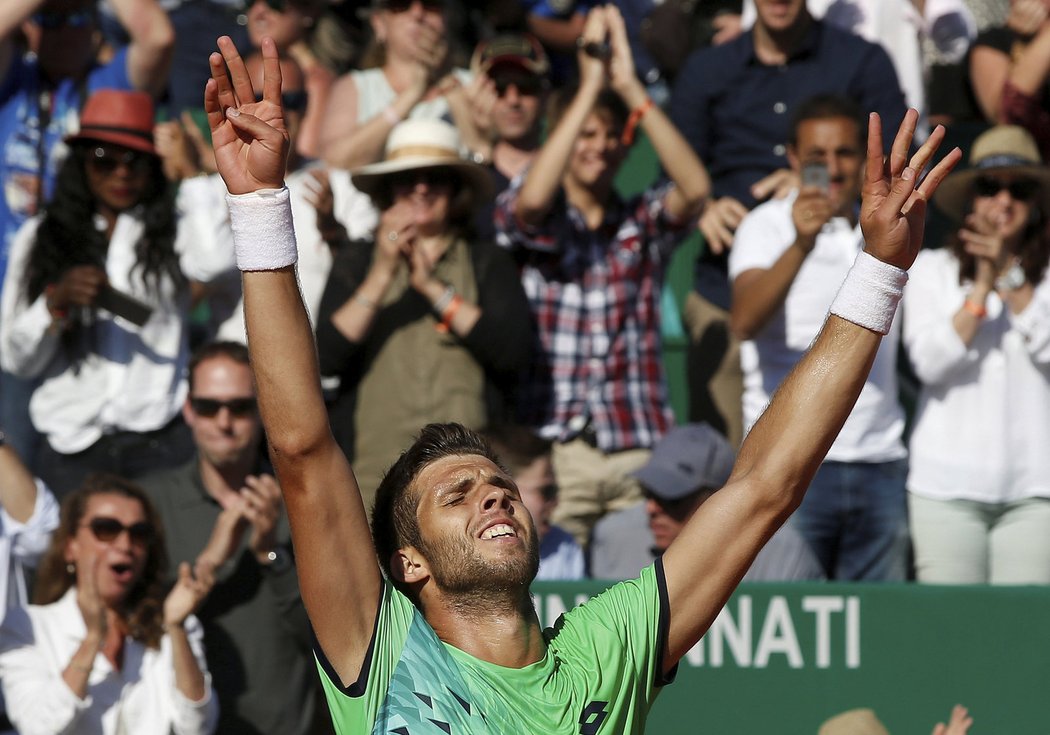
x=788 y=260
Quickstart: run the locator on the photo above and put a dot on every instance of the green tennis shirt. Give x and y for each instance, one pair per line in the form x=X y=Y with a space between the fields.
x=600 y=674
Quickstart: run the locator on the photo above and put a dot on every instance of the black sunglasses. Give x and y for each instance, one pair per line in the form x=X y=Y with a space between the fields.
x=527 y=86
x=107 y=161
x=107 y=529
x=294 y=101
x=209 y=407
x=400 y=6
x=1021 y=189
x=51 y=21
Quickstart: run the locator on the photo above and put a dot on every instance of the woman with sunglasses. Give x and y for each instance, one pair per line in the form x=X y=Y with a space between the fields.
x=977 y=330
x=105 y=649
x=425 y=322
x=96 y=300
x=406 y=73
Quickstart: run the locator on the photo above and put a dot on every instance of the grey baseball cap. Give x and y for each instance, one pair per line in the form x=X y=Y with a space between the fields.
x=687 y=459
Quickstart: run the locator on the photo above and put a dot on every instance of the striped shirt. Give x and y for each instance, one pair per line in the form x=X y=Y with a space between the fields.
x=595 y=298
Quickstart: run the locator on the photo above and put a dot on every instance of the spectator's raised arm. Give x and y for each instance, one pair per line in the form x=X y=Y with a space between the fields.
x=152 y=43
x=338 y=574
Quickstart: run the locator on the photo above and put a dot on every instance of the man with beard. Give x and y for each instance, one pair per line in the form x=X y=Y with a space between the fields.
x=449 y=640
x=789 y=259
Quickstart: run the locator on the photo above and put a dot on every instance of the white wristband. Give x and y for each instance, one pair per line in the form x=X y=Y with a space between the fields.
x=263 y=237
x=870 y=294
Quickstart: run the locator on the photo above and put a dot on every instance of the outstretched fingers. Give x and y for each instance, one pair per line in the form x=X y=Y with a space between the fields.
x=271 y=72
x=239 y=80
x=940 y=172
x=874 y=169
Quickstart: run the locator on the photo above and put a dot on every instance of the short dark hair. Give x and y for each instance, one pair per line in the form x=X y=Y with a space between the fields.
x=607 y=105
x=232 y=350
x=394 y=523
x=824 y=106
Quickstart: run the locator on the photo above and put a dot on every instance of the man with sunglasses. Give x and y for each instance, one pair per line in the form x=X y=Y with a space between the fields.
x=42 y=88
x=224 y=508
x=509 y=95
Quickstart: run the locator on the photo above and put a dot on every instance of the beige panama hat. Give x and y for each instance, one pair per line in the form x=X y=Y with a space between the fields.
x=1003 y=149
x=422 y=144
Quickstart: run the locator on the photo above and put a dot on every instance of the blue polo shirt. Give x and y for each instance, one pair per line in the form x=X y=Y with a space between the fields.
x=736 y=111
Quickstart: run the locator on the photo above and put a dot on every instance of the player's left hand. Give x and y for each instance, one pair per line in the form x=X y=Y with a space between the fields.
x=893 y=208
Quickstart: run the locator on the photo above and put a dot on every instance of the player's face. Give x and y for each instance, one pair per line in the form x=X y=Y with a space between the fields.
x=836 y=143
x=476 y=533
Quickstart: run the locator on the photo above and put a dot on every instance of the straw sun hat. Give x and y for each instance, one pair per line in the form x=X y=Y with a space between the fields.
x=414 y=145
x=1004 y=149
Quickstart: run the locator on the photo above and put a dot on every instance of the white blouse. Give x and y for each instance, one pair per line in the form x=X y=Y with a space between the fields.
x=37 y=643
x=982 y=426
x=134 y=380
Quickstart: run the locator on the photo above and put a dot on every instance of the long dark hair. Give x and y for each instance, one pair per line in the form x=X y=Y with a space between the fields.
x=144 y=607
x=67 y=237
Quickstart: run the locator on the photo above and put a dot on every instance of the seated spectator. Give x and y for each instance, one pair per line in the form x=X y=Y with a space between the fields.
x=528 y=459
x=105 y=650
x=593 y=266
x=508 y=96
x=424 y=323
x=977 y=331
x=43 y=86
x=223 y=509
x=96 y=300
x=412 y=77
x=686 y=468
x=788 y=261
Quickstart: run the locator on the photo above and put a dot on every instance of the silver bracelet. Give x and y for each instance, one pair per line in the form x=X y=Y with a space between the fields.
x=444 y=300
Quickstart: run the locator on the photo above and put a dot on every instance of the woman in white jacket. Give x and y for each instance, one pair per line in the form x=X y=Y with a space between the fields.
x=977 y=330
x=111 y=371
x=105 y=651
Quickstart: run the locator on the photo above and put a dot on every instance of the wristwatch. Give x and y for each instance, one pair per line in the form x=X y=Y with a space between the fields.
x=278 y=560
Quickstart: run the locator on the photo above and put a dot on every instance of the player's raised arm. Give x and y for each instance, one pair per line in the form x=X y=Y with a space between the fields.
x=338 y=574
x=783 y=450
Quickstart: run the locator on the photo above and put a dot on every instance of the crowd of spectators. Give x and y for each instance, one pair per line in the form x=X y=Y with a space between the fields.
x=475 y=246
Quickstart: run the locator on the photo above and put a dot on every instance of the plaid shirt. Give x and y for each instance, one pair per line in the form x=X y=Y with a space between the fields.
x=595 y=297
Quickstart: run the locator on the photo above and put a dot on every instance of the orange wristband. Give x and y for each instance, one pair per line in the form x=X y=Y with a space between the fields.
x=450 y=311
x=976 y=309
x=633 y=119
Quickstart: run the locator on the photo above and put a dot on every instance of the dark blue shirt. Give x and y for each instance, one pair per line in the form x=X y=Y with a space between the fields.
x=736 y=111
